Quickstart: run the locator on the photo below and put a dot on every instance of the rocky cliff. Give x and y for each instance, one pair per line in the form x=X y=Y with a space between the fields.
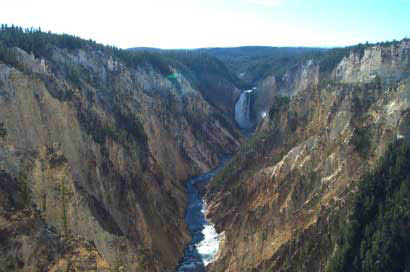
x=363 y=63
x=297 y=78
x=281 y=203
x=93 y=156
x=386 y=63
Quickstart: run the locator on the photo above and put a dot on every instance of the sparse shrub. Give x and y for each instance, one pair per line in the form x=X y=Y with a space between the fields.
x=3 y=131
x=361 y=141
x=281 y=104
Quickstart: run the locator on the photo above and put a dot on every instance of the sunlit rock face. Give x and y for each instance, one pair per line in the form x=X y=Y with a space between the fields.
x=388 y=63
x=299 y=78
x=263 y=97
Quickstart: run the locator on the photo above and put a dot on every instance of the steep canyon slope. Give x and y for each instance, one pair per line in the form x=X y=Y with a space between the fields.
x=284 y=199
x=95 y=145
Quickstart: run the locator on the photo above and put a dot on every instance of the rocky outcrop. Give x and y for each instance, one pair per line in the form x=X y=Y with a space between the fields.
x=296 y=79
x=97 y=153
x=281 y=201
x=387 y=63
x=264 y=97
x=299 y=78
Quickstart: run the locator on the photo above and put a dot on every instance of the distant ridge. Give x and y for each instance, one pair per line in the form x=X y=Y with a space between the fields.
x=147 y=49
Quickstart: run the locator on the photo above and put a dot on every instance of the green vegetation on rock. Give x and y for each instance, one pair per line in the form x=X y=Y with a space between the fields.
x=258 y=62
x=3 y=131
x=362 y=140
x=376 y=236
x=280 y=104
x=41 y=44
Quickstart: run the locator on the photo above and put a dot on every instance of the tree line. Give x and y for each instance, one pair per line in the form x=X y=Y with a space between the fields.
x=41 y=44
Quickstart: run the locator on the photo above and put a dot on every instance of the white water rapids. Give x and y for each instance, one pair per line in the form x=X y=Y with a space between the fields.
x=208 y=247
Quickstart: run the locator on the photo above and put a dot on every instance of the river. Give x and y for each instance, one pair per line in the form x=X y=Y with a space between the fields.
x=205 y=241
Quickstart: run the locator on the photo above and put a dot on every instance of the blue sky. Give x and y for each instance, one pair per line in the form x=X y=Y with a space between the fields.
x=216 y=23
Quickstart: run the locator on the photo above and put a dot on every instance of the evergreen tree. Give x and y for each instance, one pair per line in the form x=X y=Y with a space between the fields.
x=377 y=236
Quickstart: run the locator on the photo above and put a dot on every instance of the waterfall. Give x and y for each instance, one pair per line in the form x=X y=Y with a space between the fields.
x=248 y=109
x=243 y=110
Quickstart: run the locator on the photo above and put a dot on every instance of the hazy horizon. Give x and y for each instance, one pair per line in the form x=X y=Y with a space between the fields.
x=193 y=24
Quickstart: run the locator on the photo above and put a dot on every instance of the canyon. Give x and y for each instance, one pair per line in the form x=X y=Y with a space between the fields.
x=108 y=156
